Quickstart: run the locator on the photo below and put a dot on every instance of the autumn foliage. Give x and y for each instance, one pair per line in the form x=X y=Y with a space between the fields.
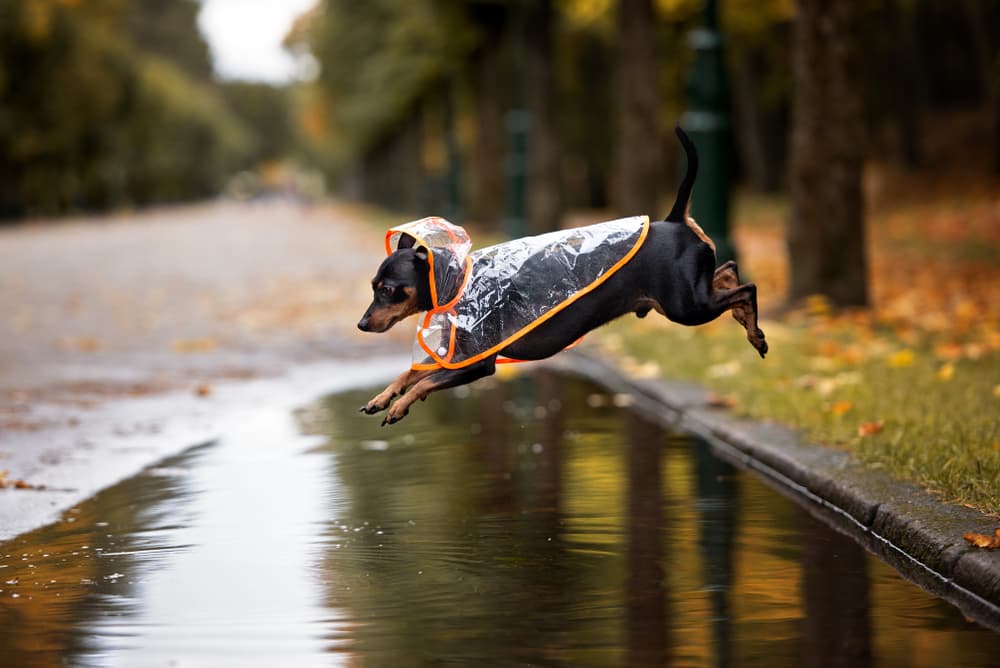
x=911 y=384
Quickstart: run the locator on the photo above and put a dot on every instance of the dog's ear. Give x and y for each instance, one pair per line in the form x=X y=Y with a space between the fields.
x=405 y=241
x=420 y=254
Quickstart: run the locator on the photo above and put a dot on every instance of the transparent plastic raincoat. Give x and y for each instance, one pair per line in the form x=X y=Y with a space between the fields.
x=485 y=300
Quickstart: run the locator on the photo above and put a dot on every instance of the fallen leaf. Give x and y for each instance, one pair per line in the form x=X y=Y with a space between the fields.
x=870 y=428
x=818 y=305
x=841 y=407
x=946 y=372
x=203 y=390
x=720 y=401
x=901 y=358
x=84 y=344
x=983 y=540
x=16 y=484
x=194 y=345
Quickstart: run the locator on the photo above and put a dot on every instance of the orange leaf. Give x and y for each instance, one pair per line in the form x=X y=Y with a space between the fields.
x=984 y=541
x=870 y=428
x=841 y=407
x=720 y=401
x=202 y=345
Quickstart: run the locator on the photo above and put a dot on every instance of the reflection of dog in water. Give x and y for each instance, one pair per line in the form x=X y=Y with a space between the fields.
x=671 y=269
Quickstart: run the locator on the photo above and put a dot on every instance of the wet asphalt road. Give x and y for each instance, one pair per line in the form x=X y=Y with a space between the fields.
x=125 y=337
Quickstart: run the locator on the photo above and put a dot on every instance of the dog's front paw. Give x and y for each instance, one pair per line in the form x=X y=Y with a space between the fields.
x=377 y=404
x=394 y=416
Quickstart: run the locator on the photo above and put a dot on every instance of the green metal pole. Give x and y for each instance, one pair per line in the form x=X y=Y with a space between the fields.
x=707 y=123
x=517 y=122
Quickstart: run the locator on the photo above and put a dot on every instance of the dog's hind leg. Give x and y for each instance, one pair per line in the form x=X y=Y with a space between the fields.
x=727 y=277
x=742 y=300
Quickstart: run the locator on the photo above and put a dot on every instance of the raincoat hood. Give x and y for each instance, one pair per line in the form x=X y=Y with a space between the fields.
x=485 y=300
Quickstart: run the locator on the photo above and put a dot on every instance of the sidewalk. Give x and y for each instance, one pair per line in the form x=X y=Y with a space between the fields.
x=125 y=338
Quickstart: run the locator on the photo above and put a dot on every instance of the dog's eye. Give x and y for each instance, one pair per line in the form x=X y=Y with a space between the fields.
x=385 y=291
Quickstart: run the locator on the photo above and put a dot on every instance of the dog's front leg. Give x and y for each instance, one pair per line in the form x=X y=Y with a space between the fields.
x=381 y=400
x=438 y=380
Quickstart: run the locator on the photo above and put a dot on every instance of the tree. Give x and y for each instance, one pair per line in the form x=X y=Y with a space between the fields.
x=169 y=28
x=637 y=145
x=826 y=233
x=544 y=200
x=486 y=161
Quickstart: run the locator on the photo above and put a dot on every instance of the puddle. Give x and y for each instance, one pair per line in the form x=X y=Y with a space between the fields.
x=530 y=522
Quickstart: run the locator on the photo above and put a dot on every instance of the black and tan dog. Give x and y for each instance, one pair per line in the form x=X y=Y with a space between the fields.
x=673 y=272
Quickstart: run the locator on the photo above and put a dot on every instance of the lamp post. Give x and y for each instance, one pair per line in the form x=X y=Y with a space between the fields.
x=517 y=123
x=707 y=123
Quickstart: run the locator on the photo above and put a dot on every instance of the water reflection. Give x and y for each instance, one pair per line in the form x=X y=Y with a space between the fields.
x=529 y=522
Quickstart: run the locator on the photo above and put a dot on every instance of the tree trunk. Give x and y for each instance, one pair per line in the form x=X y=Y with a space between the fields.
x=637 y=138
x=392 y=173
x=826 y=233
x=988 y=62
x=544 y=197
x=486 y=200
x=749 y=136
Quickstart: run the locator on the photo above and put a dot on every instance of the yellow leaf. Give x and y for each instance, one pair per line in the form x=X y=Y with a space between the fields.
x=946 y=372
x=996 y=391
x=902 y=358
x=818 y=305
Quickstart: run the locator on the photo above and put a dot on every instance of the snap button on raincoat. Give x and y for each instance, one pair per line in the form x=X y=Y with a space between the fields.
x=486 y=300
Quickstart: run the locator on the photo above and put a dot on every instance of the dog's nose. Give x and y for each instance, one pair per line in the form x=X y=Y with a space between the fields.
x=363 y=324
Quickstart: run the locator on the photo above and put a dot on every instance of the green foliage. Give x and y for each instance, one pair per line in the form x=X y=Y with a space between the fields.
x=378 y=58
x=88 y=121
x=168 y=28
x=267 y=111
x=181 y=141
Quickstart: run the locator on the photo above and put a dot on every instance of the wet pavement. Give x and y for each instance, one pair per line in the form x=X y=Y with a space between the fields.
x=125 y=338
x=536 y=521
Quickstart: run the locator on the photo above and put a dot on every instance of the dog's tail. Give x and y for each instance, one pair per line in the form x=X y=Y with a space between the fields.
x=678 y=214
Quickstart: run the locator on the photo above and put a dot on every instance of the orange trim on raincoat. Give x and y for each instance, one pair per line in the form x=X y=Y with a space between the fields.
x=444 y=361
x=434 y=224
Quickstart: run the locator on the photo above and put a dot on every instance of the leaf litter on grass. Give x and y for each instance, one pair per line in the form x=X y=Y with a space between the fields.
x=911 y=384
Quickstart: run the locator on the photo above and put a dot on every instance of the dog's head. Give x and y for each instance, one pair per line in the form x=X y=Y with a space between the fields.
x=400 y=287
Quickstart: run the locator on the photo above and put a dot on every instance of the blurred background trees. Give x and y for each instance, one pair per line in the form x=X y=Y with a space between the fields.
x=500 y=112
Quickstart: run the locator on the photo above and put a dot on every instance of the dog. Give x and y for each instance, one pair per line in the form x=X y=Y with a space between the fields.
x=671 y=269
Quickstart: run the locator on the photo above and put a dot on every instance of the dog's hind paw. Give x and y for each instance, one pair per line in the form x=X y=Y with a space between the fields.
x=758 y=342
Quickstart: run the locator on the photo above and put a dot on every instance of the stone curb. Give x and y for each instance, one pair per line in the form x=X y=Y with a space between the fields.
x=896 y=520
